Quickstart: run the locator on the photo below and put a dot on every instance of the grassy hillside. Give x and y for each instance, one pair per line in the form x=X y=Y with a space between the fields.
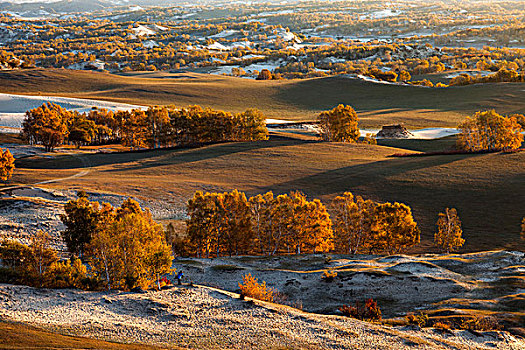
x=21 y=337
x=486 y=189
x=377 y=104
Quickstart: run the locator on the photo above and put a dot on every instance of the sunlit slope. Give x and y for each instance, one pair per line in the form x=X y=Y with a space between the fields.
x=487 y=189
x=377 y=104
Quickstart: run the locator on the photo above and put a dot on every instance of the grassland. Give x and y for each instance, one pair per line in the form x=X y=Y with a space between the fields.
x=486 y=189
x=377 y=104
x=18 y=336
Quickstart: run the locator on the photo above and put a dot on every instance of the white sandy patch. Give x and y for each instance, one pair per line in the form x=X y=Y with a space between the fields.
x=13 y=107
x=433 y=133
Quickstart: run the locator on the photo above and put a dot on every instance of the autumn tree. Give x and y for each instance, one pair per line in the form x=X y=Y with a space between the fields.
x=81 y=130
x=219 y=222
x=352 y=222
x=523 y=229
x=158 y=125
x=7 y=164
x=448 y=234
x=312 y=225
x=260 y=208
x=130 y=249
x=489 y=131
x=82 y=220
x=339 y=124
x=134 y=128
x=47 y=124
x=393 y=228
x=264 y=74
x=41 y=256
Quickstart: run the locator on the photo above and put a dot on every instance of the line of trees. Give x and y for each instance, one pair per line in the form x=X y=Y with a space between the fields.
x=51 y=125
x=230 y=224
x=490 y=131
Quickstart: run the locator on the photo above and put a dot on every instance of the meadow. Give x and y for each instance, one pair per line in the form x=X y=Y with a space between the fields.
x=486 y=189
x=296 y=99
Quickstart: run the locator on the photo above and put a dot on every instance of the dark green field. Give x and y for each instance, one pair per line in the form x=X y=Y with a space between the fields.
x=377 y=104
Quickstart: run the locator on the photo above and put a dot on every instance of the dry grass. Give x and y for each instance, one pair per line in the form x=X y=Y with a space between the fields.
x=18 y=336
x=486 y=189
x=377 y=104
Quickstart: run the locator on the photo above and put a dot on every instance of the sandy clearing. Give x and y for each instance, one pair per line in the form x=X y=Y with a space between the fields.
x=13 y=107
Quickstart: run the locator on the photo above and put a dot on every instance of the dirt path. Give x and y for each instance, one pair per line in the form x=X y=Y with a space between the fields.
x=84 y=161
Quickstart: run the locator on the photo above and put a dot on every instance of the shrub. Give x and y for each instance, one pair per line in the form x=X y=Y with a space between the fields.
x=444 y=326
x=421 y=319
x=481 y=323
x=253 y=289
x=328 y=276
x=369 y=311
x=66 y=274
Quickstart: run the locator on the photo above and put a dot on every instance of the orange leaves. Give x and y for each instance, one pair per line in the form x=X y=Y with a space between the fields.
x=7 y=164
x=250 y=287
x=489 y=131
x=448 y=234
x=339 y=124
x=363 y=225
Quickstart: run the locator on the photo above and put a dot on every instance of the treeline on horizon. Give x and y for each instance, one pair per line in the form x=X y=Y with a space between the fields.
x=52 y=125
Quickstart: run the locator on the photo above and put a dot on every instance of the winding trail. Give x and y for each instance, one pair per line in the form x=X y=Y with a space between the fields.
x=84 y=161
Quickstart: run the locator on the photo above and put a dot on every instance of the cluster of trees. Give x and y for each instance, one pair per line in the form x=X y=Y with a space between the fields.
x=123 y=247
x=502 y=75
x=38 y=265
x=365 y=226
x=490 y=131
x=231 y=224
x=7 y=164
x=51 y=125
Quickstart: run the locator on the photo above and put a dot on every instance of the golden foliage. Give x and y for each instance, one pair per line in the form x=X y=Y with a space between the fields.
x=339 y=124
x=448 y=234
x=250 y=287
x=7 y=165
x=489 y=131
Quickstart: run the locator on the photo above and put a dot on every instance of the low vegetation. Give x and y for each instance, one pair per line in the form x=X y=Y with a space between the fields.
x=367 y=311
x=250 y=287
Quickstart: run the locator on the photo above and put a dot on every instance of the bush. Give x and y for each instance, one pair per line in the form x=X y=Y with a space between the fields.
x=421 y=319
x=481 y=323
x=66 y=274
x=253 y=289
x=328 y=276
x=369 y=311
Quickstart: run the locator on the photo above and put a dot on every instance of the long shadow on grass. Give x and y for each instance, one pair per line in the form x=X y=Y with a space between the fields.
x=155 y=158
x=344 y=179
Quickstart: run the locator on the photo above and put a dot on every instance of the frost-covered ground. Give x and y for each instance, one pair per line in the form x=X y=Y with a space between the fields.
x=204 y=318
x=401 y=283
